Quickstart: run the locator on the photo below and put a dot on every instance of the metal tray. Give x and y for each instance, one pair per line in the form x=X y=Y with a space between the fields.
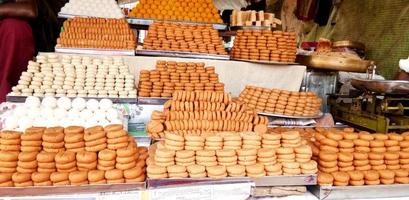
x=250 y=28
x=266 y=62
x=382 y=86
x=153 y=100
x=114 y=52
x=334 y=63
x=69 y=190
x=261 y=181
x=21 y=99
x=149 y=21
x=181 y=54
x=360 y=192
x=291 y=117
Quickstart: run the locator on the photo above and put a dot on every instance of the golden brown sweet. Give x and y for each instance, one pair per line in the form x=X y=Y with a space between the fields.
x=170 y=76
x=172 y=36
x=196 y=11
x=97 y=33
x=265 y=45
x=282 y=102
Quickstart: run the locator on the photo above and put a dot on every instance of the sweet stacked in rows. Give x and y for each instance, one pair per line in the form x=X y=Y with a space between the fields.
x=56 y=75
x=196 y=38
x=200 y=112
x=196 y=11
x=97 y=33
x=253 y=18
x=170 y=76
x=105 y=8
x=58 y=156
x=174 y=157
x=281 y=101
x=265 y=45
x=352 y=158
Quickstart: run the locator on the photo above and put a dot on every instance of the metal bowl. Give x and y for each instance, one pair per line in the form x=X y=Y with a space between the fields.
x=382 y=86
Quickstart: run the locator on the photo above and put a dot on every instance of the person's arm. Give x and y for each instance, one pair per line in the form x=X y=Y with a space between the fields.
x=18 y=8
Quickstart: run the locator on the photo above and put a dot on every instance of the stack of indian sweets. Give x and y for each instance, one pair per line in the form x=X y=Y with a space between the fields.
x=170 y=76
x=195 y=11
x=195 y=38
x=265 y=45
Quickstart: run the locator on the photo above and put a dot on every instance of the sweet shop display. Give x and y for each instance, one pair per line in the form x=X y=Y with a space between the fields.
x=98 y=33
x=200 y=112
x=93 y=8
x=63 y=112
x=195 y=38
x=194 y=11
x=265 y=45
x=253 y=18
x=72 y=76
x=70 y=156
x=346 y=157
x=170 y=76
x=281 y=101
x=230 y=154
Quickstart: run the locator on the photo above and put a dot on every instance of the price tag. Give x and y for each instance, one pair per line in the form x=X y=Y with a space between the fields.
x=203 y=192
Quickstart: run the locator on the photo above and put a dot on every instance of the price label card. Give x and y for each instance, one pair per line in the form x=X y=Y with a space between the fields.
x=203 y=192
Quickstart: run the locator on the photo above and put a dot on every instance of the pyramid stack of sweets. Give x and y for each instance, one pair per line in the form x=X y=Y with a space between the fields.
x=172 y=36
x=97 y=33
x=253 y=18
x=265 y=45
x=185 y=10
x=212 y=155
x=281 y=101
x=70 y=156
x=200 y=112
x=347 y=157
x=170 y=76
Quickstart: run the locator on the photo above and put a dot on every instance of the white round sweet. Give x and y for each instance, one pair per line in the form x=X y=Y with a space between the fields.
x=105 y=104
x=20 y=111
x=49 y=102
x=52 y=122
x=73 y=114
x=92 y=104
x=11 y=123
x=33 y=112
x=64 y=103
x=24 y=123
x=104 y=122
x=86 y=114
x=78 y=103
x=99 y=115
x=112 y=114
x=60 y=113
x=39 y=121
x=47 y=113
x=32 y=102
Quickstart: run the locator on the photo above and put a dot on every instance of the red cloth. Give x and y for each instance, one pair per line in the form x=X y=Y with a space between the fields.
x=16 y=49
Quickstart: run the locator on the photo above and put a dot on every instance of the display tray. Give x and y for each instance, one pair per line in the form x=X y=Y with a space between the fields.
x=291 y=117
x=360 y=192
x=334 y=63
x=149 y=21
x=22 y=99
x=69 y=190
x=266 y=62
x=153 y=100
x=261 y=181
x=145 y=52
x=114 y=52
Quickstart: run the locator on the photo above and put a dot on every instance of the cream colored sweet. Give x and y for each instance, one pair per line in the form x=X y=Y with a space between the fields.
x=62 y=112
x=64 y=75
